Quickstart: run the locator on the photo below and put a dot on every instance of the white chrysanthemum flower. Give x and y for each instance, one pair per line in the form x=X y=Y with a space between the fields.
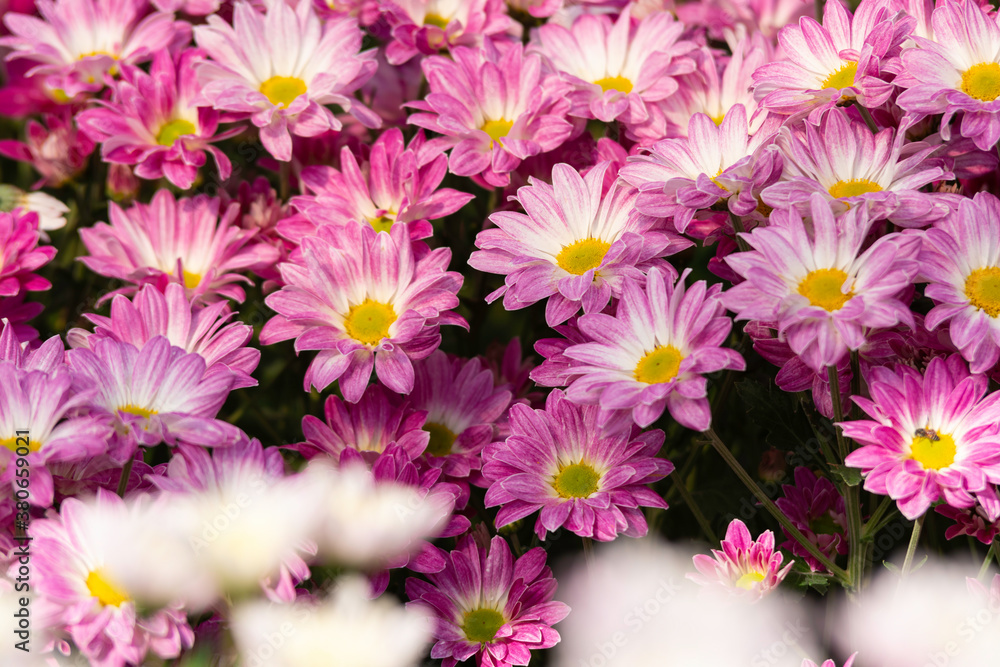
x=224 y=540
x=930 y=618
x=633 y=606
x=347 y=630
x=367 y=523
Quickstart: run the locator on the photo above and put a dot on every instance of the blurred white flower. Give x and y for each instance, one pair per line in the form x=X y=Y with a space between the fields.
x=51 y=212
x=930 y=618
x=367 y=523
x=633 y=606
x=346 y=630
x=195 y=547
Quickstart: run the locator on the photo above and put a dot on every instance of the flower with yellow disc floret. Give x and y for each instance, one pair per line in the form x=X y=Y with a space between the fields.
x=364 y=300
x=930 y=437
x=653 y=353
x=956 y=72
x=961 y=261
x=816 y=284
x=283 y=68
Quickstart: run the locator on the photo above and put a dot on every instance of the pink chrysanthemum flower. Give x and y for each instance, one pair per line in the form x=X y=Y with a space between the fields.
x=47 y=357
x=829 y=663
x=539 y=9
x=845 y=163
x=494 y=108
x=617 y=68
x=396 y=184
x=839 y=59
x=576 y=246
x=735 y=20
x=379 y=419
x=713 y=88
x=72 y=589
x=960 y=258
x=16 y=311
x=57 y=150
x=176 y=241
x=930 y=437
x=283 y=68
x=45 y=405
x=817 y=285
x=558 y=463
x=956 y=71
x=152 y=122
x=363 y=300
x=745 y=566
x=715 y=162
x=189 y=7
x=20 y=254
x=78 y=42
x=157 y=393
x=205 y=331
x=245 y=467
x=427 y=26
x=462 y=406
x=972 y=521
x=813 y=505
x=490 y=606
x=653 y=354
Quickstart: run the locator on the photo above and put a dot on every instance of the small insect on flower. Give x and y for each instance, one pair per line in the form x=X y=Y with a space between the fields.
x=929 y=434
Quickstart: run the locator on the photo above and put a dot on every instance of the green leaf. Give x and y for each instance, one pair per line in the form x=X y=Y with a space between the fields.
x=846 y=475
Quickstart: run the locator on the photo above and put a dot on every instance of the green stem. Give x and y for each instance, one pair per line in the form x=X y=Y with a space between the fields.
x=990 y=555
x=875 y=522
x=773 y=509
x=284 y=180
x=852 y=494
x=739 y=229
x=123 y=480
x=912 y=548
x=699 y=516
x=866 y=115
x=588 y=550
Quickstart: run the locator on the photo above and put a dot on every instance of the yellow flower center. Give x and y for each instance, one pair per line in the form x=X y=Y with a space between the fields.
x=842 y=78
x=442 y=438
x=933 y=451
x=11 y=444
x=982 y=81
x=660 y=365
x=369 y=321
x=497 y=129
x=432 y=18
x=582 y=256
x=718 y=119
x=824 y=288
x=481 y=625
x=136 y=410
x=102 y=589
x=578 y=480
x=172 y=131
x=191 y=280
x=383 y=223
x=853 y=188
x=749 y=580
x=282 y=90
x=982 y=288
x=619 y=83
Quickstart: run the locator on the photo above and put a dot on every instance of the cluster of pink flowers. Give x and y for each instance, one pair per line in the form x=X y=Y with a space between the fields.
x=683 y=192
